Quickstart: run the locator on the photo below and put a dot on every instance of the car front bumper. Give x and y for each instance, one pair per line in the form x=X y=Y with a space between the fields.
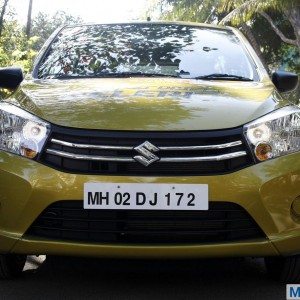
x=266 y=190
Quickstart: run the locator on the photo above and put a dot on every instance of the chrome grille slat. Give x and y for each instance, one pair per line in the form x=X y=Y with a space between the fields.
x=206 y=147
x=87 y=146
x=177 y=148
x=89 y=157
x=204 y=158
x=146 y=153
x=163 y=160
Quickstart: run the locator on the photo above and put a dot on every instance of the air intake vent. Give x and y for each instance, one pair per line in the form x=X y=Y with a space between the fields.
x=68 y=221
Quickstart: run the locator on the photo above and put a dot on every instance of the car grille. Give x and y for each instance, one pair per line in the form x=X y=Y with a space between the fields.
x=68 y=221
x=169 y=153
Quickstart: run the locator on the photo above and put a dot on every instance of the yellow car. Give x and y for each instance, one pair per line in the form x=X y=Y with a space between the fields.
x=149 y=140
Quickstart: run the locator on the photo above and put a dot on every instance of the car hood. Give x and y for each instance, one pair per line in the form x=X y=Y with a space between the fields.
x=156 y=104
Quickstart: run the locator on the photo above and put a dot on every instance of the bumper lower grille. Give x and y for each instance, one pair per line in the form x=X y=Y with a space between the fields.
x=146 y=153
x=68 y=221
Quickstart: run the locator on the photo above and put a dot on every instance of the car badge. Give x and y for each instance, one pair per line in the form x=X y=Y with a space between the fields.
x=147 y=156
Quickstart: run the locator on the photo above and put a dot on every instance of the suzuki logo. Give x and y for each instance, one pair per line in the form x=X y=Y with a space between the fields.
x=147 y=156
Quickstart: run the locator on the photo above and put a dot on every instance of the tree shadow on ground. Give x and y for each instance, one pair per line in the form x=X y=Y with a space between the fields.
x=79 y=278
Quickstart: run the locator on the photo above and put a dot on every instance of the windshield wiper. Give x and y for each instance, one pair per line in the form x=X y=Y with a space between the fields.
x=129 y=74
x=116 y=75
x=223 y=77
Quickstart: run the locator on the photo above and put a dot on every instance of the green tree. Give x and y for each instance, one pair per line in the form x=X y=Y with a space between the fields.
x=203 y=11
x=29 y=19
x=17 y=49
x=43 y=25
x=243 y=10
x=2 y=15
x=277 y=53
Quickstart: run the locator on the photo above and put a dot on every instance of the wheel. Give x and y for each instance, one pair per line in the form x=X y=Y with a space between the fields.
x=284 y=269
x=11 y=265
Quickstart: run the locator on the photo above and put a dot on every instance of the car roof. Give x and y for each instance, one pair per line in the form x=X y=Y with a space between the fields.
x=191 y=24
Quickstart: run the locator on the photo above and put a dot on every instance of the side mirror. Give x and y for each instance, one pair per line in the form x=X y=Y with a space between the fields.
x=10 y=78
x=285 y=81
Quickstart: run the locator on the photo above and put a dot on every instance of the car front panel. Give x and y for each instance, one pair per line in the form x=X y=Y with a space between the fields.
x=265 y=191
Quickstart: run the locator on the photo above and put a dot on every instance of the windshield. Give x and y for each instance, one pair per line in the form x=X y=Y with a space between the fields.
x=146 y=49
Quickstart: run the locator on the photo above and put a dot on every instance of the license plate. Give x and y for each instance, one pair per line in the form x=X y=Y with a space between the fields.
x=145 y=196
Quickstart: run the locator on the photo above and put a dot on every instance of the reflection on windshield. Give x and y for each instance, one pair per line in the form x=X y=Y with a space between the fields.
x=136 y=49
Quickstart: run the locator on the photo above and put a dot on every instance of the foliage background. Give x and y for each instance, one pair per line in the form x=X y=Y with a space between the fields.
x=19 y=48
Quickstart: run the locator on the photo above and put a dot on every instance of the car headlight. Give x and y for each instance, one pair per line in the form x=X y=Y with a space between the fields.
x=275 y=134
x=21 y=132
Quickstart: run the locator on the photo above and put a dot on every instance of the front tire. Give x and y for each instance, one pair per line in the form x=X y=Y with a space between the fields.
x=11 y=266
x=284 y=269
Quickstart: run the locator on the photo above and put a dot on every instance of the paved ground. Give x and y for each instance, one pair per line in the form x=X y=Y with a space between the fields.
x=77 y=278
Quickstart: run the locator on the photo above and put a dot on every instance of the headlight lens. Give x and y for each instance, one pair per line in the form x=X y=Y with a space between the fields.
x=21 y=132
x=275 y=134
